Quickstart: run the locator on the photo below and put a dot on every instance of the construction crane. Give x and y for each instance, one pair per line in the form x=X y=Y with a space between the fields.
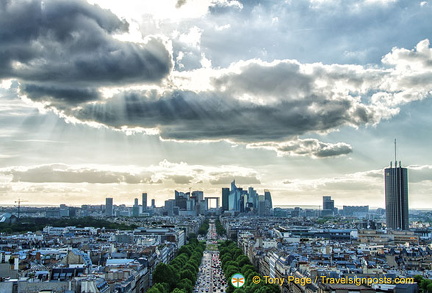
x=19 y=201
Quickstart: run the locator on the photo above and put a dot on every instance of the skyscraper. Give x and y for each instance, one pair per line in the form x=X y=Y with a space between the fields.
x=181 y=199
x=135 y=208
x=261 y=205
x=225 y=199
x=328 y=203
x=328 y=206
x=268 y=198
x=396 y=197
x=236 y=198
x=253 y=198
x=109 y=207
x=144 y=201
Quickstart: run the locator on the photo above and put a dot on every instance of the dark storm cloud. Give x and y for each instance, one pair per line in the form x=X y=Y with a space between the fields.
x=71 y=42
x=262 y=103
x=292 y=105
x=60 y=95
x=189 y=116
x=65 y=174
x=63 y=52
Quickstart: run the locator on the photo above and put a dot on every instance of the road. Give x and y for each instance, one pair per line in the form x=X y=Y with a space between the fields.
x=211 y=279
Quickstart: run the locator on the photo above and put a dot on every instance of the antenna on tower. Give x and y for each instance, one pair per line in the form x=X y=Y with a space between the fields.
x=395 y=153
x=19 y=201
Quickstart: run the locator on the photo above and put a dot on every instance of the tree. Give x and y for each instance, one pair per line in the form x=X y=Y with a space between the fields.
x=424 y=284
x=231 y=270
x=229 y=263
x=429 y=287
x=226 y=257
x=242 y=260
x=185 y=284
x=187 y=274
x=180 y=260
x=185 y=249
x=154 y=290
x=249 y=274
x=161 y=287
x=190 y=267
x=166 y=273
x=246 y=268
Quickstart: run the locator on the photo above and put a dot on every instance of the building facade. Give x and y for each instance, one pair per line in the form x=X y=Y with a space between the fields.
x=396 y=197
x=144 y=201
x=225 y=199
x=109 y=209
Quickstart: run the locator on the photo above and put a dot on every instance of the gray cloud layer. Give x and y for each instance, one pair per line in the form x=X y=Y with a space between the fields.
x=178 y=173
x=259 y=102
x=64 y=52
x=63 y=42
x=192 y=116
x=64 y=173
x=306 y=147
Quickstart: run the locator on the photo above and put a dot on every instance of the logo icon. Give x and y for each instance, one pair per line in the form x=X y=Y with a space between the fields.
x=238 y=280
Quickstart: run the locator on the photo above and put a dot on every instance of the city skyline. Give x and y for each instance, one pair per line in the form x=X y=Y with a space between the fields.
x=101 y=99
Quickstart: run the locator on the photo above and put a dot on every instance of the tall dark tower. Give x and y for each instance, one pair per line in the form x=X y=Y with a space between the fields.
x=268 y=198
x=225 y=199
x=144 y=201
x=396 y=196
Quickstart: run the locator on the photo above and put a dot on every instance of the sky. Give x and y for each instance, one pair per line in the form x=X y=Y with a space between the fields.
x=305 y=98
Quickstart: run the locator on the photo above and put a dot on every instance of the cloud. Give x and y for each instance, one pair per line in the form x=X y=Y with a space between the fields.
x=310 y=31
x=255 y=102
x=252 y=101
x=182 y=173
x=180 y=3
x=261 y=102
x=227 y=179
x=60 y=96
x=181 y=179
x=306 y=147
x=179 y=173
x=63 y=173
x=59 y=43
x=344 y=189
x=418 y=174
x=348 y=188
x=417 y=59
